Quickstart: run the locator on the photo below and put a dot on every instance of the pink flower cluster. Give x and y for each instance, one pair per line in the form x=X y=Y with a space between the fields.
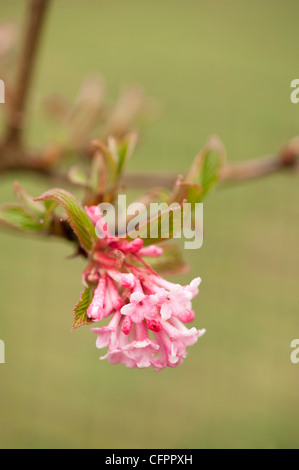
x=148 y=314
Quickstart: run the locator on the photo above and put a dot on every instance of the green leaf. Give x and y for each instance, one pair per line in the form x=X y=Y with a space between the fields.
x=206 y=167
x=103 y=168
x=186 y=192
x=80 y=310
x=34 y=208
x=14 y=216
x=125 y=150
x=115 y=155
x=209 y=172
x=194 y=192
x=78 y=219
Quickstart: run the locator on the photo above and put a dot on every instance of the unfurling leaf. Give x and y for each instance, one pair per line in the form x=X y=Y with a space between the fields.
x=14 y=216
x=80 y=311
x=77 y=217
x=27 y=202
x=29 y=215
x=112 y=157
x=185 y=192
x=206 y=167
x=125 y=150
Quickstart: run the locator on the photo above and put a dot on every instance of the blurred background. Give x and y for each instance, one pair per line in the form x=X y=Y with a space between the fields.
x=215 y=67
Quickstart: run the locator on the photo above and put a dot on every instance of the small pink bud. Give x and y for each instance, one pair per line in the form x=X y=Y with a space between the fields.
x=92 y=278
x=94 y=213
x=187 y=316
x=127 y=247
x=126 y=325
x=152 y=251
x=114 y=294
x=124 y=279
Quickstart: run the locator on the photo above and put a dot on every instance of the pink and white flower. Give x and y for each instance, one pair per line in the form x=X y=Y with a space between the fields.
x=148 y=313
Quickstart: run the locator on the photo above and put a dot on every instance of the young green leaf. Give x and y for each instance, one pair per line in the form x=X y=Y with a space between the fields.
x=34 y=208
x=103 y=168
x=206 y=167
x=125 y=150
x=14 y=216
x=114 y=156
x=80 y=310
x=185 y=191
x=78 y=219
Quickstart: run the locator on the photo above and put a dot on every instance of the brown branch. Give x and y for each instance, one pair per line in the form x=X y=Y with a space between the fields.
x=15 y=157
x=232 y=173
x=35 y=21
x=150 y=179
x=286 y=159
x=42 y=163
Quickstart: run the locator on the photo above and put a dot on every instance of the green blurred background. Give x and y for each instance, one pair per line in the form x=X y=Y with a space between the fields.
x=216 y=67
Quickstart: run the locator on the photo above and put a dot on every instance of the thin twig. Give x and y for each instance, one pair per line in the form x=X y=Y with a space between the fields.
x=286 y=159
x=35 y=20
x=41 y=163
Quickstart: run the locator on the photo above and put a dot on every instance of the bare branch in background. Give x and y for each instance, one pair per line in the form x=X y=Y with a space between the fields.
x=8 y=35
x=34 y=25
x=89 y=112
x=287 y=159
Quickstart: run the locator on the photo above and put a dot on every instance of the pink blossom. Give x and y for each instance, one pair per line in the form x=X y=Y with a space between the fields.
x=147 y=312
x=173 y=302
x=193 y=286
x=140 y=307
x=104 y=333
x=96 y=308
